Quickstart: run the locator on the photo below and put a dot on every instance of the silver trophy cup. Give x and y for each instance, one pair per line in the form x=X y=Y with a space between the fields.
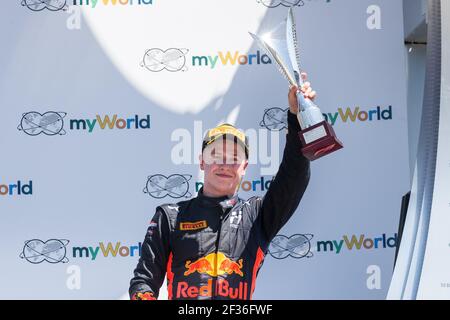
x=317 y=135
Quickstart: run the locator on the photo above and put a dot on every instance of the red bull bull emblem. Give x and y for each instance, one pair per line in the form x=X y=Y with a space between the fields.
x=202 y=265
x=214 y=264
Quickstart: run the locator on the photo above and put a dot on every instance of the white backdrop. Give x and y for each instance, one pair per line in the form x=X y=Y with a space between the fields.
x=421 y=268
x=66 y=65
x=435 y=279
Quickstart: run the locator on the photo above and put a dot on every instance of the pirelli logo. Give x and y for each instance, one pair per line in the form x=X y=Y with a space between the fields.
x=193 y=225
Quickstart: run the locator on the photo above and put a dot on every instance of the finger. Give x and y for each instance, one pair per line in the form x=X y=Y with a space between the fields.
x=293 y=91
x=304 y=75
x=293 y=94
x=312 y=95
x=308 y=91
x=305 y=86
x=292 y=97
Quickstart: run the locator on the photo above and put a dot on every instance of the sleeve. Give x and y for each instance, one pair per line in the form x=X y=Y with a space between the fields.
x=151 y=268
x=289 y=184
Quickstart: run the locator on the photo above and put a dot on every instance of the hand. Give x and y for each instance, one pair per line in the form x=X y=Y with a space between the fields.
x=307 y=93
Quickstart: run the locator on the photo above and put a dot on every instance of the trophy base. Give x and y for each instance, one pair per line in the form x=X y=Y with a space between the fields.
x=319 y=140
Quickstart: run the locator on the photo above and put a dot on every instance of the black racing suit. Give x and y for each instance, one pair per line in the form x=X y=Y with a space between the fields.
x=213 y=248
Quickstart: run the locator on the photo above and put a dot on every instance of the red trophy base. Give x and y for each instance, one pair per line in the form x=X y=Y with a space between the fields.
x=319 y=140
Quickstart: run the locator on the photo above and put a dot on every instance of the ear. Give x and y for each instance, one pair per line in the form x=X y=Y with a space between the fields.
x=202 y=163
x=245 y=167
x=246 y=164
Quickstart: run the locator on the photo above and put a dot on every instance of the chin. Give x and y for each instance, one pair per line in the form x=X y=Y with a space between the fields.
x=225 y=190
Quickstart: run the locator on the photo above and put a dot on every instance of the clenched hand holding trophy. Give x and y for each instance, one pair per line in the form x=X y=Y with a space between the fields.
x=317 y=135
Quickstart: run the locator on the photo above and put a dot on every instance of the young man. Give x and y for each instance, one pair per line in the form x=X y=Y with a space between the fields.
x=212 y=246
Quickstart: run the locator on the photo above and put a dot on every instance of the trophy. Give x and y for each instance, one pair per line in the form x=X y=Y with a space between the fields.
x=316 y=134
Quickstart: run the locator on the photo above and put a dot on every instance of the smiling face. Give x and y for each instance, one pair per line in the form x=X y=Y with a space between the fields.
x=224 y=163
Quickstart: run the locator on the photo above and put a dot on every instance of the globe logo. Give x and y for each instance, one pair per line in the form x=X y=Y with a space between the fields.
x=49 y=123
x=39 y=5
x=53 y=251
x=175 y=186
x=276 y=3
x=172 y=59
x=296 y=246
x=274 y=119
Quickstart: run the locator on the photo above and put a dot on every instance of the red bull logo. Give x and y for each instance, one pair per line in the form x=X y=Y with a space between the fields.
x=222 y=289
x=214 y=264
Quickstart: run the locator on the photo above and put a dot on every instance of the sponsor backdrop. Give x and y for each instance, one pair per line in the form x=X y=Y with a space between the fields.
x=103 y=105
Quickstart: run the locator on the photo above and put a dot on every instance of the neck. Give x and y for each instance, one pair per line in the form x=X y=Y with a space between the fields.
x=211 y=193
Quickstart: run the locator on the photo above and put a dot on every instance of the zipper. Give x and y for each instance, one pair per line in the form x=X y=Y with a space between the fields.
x=214 y=284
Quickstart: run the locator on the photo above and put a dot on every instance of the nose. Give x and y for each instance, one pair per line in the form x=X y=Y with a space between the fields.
x=225 y=166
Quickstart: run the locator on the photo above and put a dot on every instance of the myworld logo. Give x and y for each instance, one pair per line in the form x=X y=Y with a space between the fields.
x=230 y=58
x=177 y=185
x=53 y=251
x=356 y=243
x=260 y=184
x=176 y=59
x=19 y=188
x=52 y=123
x=301 y=245
x=275 y=118
x=357 y=114
x=93 y=3
x=57 y=5
x=107 y=250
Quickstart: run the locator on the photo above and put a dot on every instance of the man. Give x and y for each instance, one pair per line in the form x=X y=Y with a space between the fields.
x=212 y=246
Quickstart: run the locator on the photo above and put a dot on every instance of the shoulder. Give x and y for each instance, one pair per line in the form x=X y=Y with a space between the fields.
x=253 y=204
x=252 y=200
x=171 y=210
